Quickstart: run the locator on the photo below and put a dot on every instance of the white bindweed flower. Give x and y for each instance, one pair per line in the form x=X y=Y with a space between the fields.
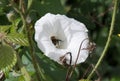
x=62 y=38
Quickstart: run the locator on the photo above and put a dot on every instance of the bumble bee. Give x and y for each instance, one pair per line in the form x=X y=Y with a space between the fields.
x=56 y=41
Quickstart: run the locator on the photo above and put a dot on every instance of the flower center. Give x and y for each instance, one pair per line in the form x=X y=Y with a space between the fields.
x=56 y=42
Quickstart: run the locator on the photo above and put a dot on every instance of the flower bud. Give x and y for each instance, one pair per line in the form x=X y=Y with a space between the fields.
x=11 y=16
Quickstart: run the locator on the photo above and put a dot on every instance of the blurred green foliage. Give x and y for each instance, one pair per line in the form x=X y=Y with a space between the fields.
x=95 y=14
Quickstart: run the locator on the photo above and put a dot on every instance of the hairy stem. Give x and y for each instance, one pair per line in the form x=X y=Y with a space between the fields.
x=32 y=52
x=108 y=40
x=31 y=45
x=27 y=27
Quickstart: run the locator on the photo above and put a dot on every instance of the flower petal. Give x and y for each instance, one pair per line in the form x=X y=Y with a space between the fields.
x=79 y=39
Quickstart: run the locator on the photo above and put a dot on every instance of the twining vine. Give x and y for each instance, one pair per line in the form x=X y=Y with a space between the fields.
x=108 y=40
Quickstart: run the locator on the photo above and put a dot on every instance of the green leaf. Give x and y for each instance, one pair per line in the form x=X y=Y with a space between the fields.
x=4 y=28
x=7 y=57
x=29 y=4
x=15 y=25
x=12 y=78
x=41 y=7
x=115 y=78
x=84 y=80
x=17 y=39
x=49 y=69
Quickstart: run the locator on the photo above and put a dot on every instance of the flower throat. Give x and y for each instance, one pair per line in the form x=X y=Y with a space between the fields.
x=56 y=41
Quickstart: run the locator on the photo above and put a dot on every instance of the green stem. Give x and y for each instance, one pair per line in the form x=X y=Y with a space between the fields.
x=108 y=40
x=27 y=28
x=32 y=52
x=31 y=45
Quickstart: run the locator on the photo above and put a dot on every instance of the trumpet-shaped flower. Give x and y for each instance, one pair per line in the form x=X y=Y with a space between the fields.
x=62 y=39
